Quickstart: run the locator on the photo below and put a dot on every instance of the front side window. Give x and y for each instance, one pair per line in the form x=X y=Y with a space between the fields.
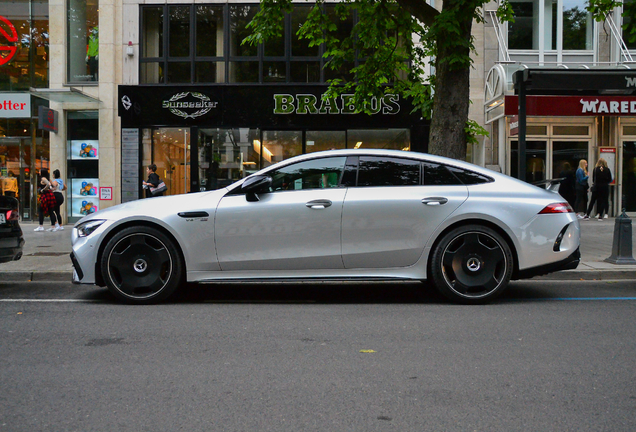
x=82 y=41
x=382 y=171
x=313 y=174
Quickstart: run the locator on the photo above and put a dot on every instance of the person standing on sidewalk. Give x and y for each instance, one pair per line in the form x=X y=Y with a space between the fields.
x=602 y=177
x=581 y=186
x=46 y=202
x=57 y=186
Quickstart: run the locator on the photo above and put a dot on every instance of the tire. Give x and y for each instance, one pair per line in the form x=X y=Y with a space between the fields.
x=141 y=265
x=471 y=264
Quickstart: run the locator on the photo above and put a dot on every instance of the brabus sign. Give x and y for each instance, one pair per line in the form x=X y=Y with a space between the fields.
x=311 y=104
x=189 y=104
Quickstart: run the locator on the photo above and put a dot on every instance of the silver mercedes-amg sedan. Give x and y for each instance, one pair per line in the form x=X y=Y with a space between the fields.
x=335 y=215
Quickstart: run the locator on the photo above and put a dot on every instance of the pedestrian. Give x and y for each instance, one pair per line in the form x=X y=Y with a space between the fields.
x=46 y=201
x=580 y=187
x=152 y=182
x=601 y=178
x=566 y=187
x=58 y=186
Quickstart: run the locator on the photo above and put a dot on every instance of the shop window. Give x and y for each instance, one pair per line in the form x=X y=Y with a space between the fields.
x=227 y=155
x=279 y=145
x=82 y=41
x=536 y=130
x=391 y=139
x=169 y=150
x=629 y=130
x=571 y=130
x=535 y=160
x=83 y=164
x=24 y=54
x=325 y=140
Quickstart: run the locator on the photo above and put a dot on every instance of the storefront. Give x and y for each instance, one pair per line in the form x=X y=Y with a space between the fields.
x=571 y=115
x=208 y=136
x=24 y=148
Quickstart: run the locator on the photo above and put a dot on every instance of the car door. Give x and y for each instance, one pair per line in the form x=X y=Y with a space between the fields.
x=389 y=216
x=296 y=226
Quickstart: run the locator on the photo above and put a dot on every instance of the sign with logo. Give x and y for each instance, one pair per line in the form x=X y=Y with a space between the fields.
x=311 y=104
x=8 y=40
x=514 y=125
x=15 y=105
x=47 y=119
x=574 y=106
x=188 y=104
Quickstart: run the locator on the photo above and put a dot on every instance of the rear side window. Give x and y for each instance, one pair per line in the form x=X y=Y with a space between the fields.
x=469 y=177
x=383 y=171
x=439 y=175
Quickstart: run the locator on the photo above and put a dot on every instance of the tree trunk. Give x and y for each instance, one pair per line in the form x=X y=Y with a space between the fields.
x=452 y=91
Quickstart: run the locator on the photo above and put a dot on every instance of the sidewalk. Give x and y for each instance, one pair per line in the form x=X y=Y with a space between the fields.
x=46 y=255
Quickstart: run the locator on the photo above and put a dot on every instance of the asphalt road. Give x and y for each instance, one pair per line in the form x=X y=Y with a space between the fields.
x=548 y=356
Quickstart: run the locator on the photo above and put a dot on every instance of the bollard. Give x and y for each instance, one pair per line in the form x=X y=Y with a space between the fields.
x=622 y=245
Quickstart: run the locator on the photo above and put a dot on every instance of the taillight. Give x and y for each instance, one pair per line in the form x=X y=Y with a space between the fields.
x=13 y=215
x=563 y=207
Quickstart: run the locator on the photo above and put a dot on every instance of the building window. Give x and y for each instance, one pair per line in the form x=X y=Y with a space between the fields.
x=540 y=20
x=82 y=41
x=203 y=44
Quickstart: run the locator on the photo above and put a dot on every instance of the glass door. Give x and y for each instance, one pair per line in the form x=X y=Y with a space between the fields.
x=629 y=176
x=15 y=172
x=169 y=150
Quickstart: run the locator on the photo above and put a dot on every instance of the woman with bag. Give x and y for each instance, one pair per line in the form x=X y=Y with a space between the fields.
x=57 y=186
x=46 y=201
x=154 y=186
x=580 y=187
x=602 y=177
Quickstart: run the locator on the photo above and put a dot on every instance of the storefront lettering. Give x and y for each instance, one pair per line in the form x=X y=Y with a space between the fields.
x=8 y=105
x=309 y=104
x=611 y=107
x=176 y=105
x=631 y=82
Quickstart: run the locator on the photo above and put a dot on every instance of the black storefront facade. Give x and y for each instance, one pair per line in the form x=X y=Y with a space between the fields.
x=204 y=137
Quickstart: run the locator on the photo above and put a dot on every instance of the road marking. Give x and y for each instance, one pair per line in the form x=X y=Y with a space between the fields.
x=49 y=301
x=580 y=298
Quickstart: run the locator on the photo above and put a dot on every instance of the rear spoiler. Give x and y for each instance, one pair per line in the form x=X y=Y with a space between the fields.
x=550 y=184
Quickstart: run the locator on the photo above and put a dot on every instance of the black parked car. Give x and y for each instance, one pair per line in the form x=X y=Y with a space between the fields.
x=11 y=239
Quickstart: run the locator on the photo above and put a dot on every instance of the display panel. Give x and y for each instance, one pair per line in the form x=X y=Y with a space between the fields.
x=84 y=149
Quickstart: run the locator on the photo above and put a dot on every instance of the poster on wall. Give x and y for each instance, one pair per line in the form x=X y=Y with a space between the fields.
x=84 y=149
x=84 y=196
x=609 y=154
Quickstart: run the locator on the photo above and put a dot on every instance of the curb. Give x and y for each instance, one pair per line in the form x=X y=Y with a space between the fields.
x=36 y=276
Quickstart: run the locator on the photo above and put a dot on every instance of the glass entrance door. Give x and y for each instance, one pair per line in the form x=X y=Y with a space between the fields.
x=15 y=173
x=169 y=149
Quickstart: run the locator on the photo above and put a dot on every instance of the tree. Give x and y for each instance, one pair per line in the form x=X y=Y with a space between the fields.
x=396 y=40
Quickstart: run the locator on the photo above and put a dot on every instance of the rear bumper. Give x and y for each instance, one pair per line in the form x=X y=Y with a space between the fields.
x=11 y=248
x=570 y=263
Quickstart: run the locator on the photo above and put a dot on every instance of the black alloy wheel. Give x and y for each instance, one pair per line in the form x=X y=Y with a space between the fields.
x=141 y=265
x=472 y=264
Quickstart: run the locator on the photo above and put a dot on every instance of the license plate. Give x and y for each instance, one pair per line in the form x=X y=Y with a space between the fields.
x=3 y=218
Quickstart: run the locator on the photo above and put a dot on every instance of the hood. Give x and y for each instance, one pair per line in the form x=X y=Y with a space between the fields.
x=158 y=207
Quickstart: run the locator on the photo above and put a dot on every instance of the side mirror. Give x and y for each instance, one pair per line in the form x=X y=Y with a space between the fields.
x=255 y=185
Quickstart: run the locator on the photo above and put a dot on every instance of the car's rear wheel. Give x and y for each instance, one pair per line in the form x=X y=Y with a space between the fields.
x=141 y=265
x=471 y=264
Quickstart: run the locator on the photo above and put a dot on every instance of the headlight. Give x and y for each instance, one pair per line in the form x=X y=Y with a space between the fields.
x=87 y=228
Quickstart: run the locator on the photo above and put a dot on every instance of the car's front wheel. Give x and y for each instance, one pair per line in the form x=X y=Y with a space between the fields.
x=471 y=264
x=141 y=265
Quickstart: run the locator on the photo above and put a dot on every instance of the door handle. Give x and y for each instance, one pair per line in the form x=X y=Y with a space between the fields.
x=319 y=204
x=434 y=201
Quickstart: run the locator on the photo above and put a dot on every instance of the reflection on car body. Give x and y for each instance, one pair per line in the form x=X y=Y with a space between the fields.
x=11 y=238
x=341 y=214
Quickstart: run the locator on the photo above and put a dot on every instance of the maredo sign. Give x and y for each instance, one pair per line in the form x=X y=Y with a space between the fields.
x=15 y=105
x=574 y=106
